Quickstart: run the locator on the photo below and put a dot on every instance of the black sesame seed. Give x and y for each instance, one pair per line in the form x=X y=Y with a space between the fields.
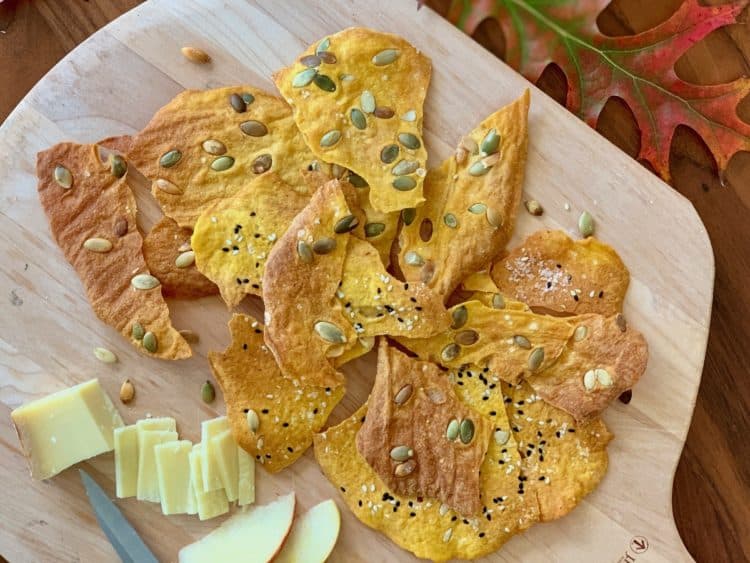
x=460 y=382
x=417 y=308
x=541 y=457
x=519 y=411
x=359 y=502
x=245 y=410
x=413 y=299
x=244 y=346
x=575 y=297
x=252 y=214
x=225 y=249
x=489 y=517
x=328 y=389
x=343 y=489
x=485 y=398
x=558 y=265
x=235 y=247
x=285 y=425
x=557 y=433
x=508 y=400
x=290 y=449
x=466 y=521
x=362 y=420
x=454 y=518
x=412 y=514
x=601 y=294
x=268 y=456
x=481 y=534
x=264 y=411
x=501 y=462
x=411 y=504
x=258 y=331
x=315 y=410
x=385 y=497
x=571 y=430
x=541 y=478
x=257 y=235
x=256 y=286
x=248 y=281
x=493 y=413
x=395 y=509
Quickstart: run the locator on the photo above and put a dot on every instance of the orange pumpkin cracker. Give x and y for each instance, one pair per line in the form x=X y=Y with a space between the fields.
x=271 y=418
x=551 y=271
x=357 y=97
x=472 y=199
x=92 y=216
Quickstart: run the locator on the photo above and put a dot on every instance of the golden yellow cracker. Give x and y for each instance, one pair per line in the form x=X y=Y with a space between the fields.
x=92 y=216
x=479 y=281
x=233 y=236
x=379 y=228
x=377 y=304
x=471 y=204
x=357 y=97
x=551 y=271
x=513 y=342
x=284 y=415
x=205 y=146
x=603 y=358
x=120 y=143
x=167 y=251
x=419 y=437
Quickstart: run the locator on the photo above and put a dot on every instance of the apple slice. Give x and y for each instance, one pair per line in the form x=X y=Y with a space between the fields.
x=314 y=535
x=254 y=535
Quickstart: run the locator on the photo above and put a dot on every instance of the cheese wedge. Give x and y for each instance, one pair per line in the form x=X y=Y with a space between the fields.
x=224 y=448
x=66 y=427
x=148 y=480
x=126 y=461
x=173 y=474
x=209 y=460
x=210 y=503
x=246 y=480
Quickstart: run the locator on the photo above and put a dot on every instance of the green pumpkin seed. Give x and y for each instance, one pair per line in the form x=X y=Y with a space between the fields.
x=214 y=147
x=97 y=245
x=522 y=342
x=327 y=57
x=304 y=77
x=367 y=102
x=389 y=153
x=324 y=83
x=374 y=229
x=477 y=208
x=383 y=112
x=490 y=142
x=450 y=352
x=330 y=138
x=536 y=358
x=459 y=317
x=208 y=393
x=401 y=453
x=409 y=116
x=137 y=331
x=104 y=355
x=385 y=57
x=466 y=337
x=345 y=224
x=356 y=180
x=413 y=259
x=404 y=167
x=501 y=437
x=248 y=98
x=498 y=301
x=478 y=169
x=311 y=61
x=144 y=281
x=586 y=224
x=254 y=128
x=150 y=343
x=185 y=260
x=63 y=177
x=580 y=333
x=409 y=140
x=305 y=252
x=451 y=432
x=450 y=220
x=408 y=215
x=403 y=394
x=404 y=469
x=323 y=46
x=330 y=332
x=222 y=163
x=262 y=163
x=253 y=421
x=167 y=187
x=170 y=158
x=589 y=380
x=534 y=207
x=324 y=245
x=118 y=166
x=466 y=431
x=404 y=183
x=358 y=119
x=494 y=217
x=237 y=103
x=603 y=377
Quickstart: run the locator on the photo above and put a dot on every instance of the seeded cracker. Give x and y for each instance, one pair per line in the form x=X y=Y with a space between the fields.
x=404 y=437
x=357 y=97
x=380 y=228
x=472 y=200
x=283 y=416
x=166 y=246
x=205 y=146
x=92 y=216
x=551 y=271
x=233 y=237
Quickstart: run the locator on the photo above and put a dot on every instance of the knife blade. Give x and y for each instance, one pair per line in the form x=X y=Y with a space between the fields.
x=123 y=537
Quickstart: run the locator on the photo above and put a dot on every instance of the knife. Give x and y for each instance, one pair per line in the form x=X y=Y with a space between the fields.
x=123 y=537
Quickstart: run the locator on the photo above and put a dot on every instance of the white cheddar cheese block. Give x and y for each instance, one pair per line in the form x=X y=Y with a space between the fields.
x=210 y=503
x=173 y=473
x=148 y=480
x=66 y=427
x=225 y=449
x=209 y=460
x=254 y=535
x=246 y=478
x=313 y=536
x=126 y=461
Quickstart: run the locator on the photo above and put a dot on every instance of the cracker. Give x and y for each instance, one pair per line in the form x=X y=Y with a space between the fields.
x=379 y=229
x=468 y=219
x=233 y=236
x=288 y=415
x=357 y=97
x=411 y=405
x=99 y=205
x=204 y=129
x=550 y=271
x=120 y=143
x=164 y=244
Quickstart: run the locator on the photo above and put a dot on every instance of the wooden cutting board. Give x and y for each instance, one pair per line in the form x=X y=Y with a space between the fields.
x=116 y=80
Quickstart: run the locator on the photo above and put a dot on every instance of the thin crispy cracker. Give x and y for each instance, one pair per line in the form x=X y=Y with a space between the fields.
x=120 y=143
x=379 y=229
x=233 y=236
x=99 y=205
x=194 y=117
x=550 y=271
x=163 y=244
x=400 y=86
x=469 y=219
x=288 y=414
x=439 y=468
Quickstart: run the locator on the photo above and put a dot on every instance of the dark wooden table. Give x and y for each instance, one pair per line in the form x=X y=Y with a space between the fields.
x=712 y=485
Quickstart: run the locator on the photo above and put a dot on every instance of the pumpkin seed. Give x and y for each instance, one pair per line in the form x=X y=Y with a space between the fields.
x=374 y=229
x=137 y=331
x=621 y=323
x=237 y=103
x=367 y=101
x=403 y=394
x=490 y=142
x=477 y=208
x=144 y=281
x=358 y=118
x=404 y=167
x=450 y=352
x=491 y=160
x=389 y=153
x=194 y=55
x=323 y=46
x=383 y=112
x=344 y=77
x=413 y=259
x=330 y=332
x=190 y=336
x=345 y=224
x=97 y=245
x=466 y=337
x=327 y=57
x=356 y=180
x=311 y=61
x=501 y=437
x=409 y=116
x=118 y=166
x=150 y=343
x=304 y=77
x=603 y=377
x=409 y=140
x=401 y=453
x=385 y=57
x=466 y=431
x=586 y=224
x=436 y=396
x=185 y=260
x=408 y=215
x=127 y=391
x=208 y=393
x=330 y=138
x=262 y=163
x=478 y=169
x=450 y=220
x=404 y=183
x=324 y=83
x=589 y=380
x=170 y=158
x=459 y=315
x=494 y=218
x=253 y=422
x=248 y=98
x=406 y=468
x=222 y=163
x=534 y=207
x=305 y=252
x=536 y=358
x=324 y=245
x=451 y=432
x=168 y=187
x=214 y=147
x=498 y=301
x=522 y=342
x=580 y=333
x=469 y=144
x=254 y=128
x=104 y=355
x=121 y=227
x=63 y=177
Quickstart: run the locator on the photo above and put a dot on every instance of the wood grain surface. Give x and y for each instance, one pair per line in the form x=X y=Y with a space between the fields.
x=709 y=496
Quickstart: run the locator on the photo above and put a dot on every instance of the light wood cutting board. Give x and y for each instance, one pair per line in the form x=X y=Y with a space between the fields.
x=117 y=79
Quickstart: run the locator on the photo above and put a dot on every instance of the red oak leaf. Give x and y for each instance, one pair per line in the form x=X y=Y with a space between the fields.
x=637 y=68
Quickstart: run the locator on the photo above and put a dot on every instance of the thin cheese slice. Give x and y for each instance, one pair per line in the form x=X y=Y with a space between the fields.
x=210 y=503
x=161 y=423
x=173 y=473
x=126 y=461
x=192 y=507
x=209 y=461
x=148 y=480
x=246 y=480
x=224 y=448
